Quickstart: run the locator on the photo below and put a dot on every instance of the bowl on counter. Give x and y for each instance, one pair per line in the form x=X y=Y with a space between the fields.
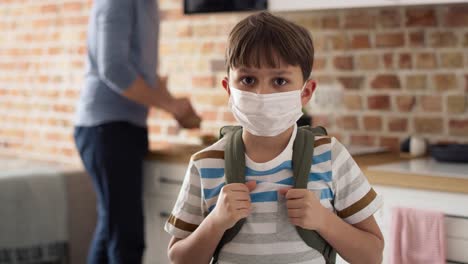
x=450 y=152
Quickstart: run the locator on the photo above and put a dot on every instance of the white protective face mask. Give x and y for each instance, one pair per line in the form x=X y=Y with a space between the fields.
x=266 y=115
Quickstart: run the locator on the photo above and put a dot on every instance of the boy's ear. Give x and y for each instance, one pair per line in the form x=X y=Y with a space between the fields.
x=307 y=92
x=225 y=83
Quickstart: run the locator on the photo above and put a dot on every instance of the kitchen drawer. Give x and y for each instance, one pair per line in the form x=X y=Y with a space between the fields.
x=164 y=179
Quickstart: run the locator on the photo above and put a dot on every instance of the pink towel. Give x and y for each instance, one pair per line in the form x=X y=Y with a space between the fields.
x=418 y=236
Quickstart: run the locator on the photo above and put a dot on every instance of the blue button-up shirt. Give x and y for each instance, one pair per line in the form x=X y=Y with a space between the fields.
x=122 y=44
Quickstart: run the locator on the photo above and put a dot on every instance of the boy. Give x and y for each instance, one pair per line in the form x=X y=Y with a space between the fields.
x=269 y=62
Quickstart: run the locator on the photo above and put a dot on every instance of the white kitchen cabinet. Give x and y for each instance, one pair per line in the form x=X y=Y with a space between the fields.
x=452 y=204
x=161 y=187
x=300 y=5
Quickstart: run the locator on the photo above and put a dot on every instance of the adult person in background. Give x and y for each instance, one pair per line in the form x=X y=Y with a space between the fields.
x=110 y=127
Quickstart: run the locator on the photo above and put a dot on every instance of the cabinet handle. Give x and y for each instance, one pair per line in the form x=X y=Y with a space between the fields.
x=164 y=214
x=170 y=181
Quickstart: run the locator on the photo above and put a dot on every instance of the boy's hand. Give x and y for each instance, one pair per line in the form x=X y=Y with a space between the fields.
x=233 y=204
x=304 y=209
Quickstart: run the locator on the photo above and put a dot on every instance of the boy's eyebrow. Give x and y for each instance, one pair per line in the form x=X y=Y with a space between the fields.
x=274 y=72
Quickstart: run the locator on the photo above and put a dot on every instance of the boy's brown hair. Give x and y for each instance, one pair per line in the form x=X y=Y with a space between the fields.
x=263 y=39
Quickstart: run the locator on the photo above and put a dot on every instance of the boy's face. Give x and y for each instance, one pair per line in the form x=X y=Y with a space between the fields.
x=264 y=80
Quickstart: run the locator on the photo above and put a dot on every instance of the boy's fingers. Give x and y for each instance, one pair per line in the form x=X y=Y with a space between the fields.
x=241 y=196
x=238 y=187
x=251 y=185
x=284 y=191
x=296 y=193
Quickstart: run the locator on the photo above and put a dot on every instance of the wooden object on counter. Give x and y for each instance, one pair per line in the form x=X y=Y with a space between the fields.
x=407 y=180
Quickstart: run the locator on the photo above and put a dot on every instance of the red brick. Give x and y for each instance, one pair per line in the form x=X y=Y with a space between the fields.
x=321 y=43
x=367 y=62
x=451 y=60
x=352 y=102
x=456 y=104
x=319 y=64
x=417 y=39
x=416 y=82
x=397 y=124
x=344 y=63
x=391 y=143
x=416 y=17
x=331 y=22
x=52 y=8
x=365 y=140
x=348 y=122
x=405 y=103
x=444 y=82
x=426 y=61
x=171 y=14
x=73 y=6
x=386 y=81
x=390 y=40
x=389 y=18
x=388 y=60
x=457 y=16
x=405 y=61
x=372 y=123
x=173 y=130
x=360 y=42
x=154 y=129
x=458 y=127
x=203 y=81
x=431 y=103
x=440 y=39
x=378 y=102
x=360 y=19
x=207 y=48
x=338 y=42
x=354 y=83
x=428 y=125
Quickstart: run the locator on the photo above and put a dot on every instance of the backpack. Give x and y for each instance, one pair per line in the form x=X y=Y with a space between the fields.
x=303 y=149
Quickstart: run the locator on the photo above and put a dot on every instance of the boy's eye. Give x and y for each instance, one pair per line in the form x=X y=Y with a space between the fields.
x=280 y=82
x=248 y=80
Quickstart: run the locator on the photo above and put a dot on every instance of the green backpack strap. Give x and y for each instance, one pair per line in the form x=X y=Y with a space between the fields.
x=234 y=170
x=303 y=151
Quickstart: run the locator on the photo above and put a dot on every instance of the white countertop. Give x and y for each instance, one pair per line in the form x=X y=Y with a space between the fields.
x=427 y=167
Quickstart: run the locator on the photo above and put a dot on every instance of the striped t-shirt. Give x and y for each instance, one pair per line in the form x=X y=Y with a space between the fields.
x=267 y=236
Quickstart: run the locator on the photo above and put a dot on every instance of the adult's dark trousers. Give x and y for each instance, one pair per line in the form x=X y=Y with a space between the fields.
x=113 y=155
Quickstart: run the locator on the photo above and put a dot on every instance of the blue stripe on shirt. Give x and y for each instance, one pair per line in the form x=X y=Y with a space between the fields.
x=321 y=176
x=211 y=173
x=210 y=193
x=326 y=156
x=271 y=196
x=326 y=194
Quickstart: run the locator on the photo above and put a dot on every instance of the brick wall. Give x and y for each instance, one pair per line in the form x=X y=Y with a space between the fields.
x=402 y=71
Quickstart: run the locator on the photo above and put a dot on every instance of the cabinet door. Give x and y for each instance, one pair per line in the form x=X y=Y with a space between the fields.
x=161 y=188
x=156 y=213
